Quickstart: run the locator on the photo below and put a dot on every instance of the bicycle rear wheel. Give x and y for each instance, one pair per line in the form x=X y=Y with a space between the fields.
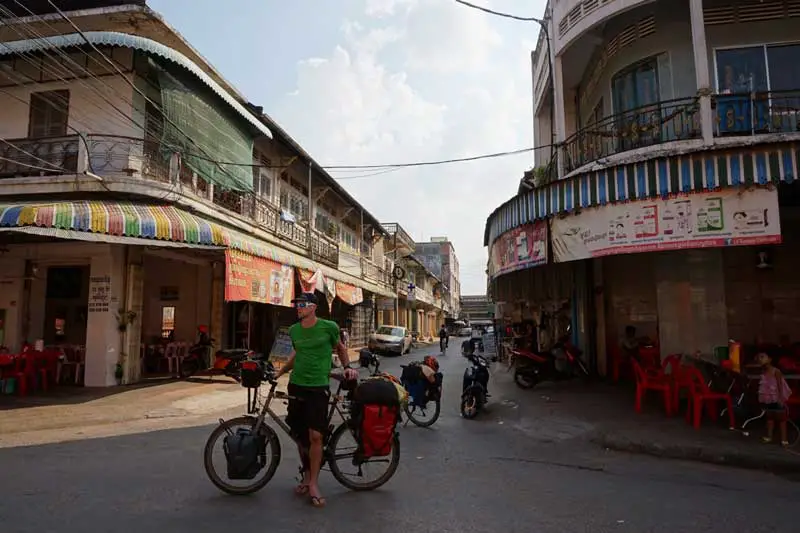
x=341 y=458
x=423 y=417
x=270 y=458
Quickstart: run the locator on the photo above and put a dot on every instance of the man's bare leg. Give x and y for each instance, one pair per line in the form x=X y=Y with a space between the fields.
x=315 y=464
x=302 y=488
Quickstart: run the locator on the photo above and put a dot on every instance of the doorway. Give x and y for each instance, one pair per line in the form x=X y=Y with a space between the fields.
x=66 y=305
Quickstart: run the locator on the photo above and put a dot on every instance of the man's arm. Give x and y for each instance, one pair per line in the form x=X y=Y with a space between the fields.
x=287 y=366
x=341 y=351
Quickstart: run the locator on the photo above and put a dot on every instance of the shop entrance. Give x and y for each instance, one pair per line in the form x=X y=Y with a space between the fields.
x=66 y=305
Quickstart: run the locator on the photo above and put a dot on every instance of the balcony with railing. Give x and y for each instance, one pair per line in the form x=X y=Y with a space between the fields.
x=39 y=157
x=399 y=240
x=650 y=125
x=756 y=113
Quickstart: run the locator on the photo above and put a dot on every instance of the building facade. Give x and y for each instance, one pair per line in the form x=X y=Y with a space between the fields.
x=141 y=196
x=476 y=307
x=664 y=191
x=439 y=256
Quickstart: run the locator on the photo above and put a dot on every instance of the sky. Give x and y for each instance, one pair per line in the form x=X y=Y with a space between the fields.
x=366 y=82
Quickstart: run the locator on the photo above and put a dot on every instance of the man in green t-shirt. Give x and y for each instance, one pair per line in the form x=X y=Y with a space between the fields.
x=313 y=340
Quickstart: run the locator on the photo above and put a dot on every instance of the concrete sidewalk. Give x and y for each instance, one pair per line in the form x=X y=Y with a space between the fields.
x=76 y=413
x=607 y=414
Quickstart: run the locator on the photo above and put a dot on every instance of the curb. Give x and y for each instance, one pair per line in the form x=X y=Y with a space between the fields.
x=697 y=453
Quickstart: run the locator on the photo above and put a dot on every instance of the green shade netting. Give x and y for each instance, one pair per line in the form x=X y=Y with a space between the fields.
x=195 y=126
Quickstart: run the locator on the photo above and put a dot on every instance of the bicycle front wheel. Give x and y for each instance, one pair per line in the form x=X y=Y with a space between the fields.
x=353 y=474
x=423 y=417
x=216 y=463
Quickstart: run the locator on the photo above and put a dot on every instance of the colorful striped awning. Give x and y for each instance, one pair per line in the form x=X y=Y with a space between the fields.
x=153 y=224
x=658 y=177
x=147 y=222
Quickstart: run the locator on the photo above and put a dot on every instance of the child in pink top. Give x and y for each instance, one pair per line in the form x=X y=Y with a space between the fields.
x=773 y=393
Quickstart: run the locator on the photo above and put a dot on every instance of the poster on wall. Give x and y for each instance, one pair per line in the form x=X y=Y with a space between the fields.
x=518 y=249
x=702 y=220
x=349 y=294
x=311 y=281
x=255 y=279
x=281 y=349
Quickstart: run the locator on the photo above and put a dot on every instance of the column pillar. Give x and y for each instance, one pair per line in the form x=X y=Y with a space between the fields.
x=103 y=338
x=559 y=111
x=701 y=69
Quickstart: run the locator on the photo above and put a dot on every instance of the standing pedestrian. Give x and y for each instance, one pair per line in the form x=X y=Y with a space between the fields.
x=313 y=340
x=443 y=339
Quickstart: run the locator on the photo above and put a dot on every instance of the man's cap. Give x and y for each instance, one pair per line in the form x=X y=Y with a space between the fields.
x=307 y=297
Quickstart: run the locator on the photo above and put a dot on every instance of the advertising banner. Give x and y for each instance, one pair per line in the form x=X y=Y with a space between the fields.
x=702 y=220
x=311 y=281
x=349 y=294
x=518 y=249
x=255 y=279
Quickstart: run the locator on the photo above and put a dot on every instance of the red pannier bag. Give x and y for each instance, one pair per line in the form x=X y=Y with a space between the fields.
x=378 y=424
x=376 y=413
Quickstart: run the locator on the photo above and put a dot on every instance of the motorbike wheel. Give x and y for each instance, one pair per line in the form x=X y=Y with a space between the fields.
x=525 y=380
x=189 y=368
x=469 y=406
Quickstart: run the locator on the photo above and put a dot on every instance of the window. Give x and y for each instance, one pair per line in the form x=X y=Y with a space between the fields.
x=49 y=113
x=348 y=238
x=167 y=322
x=635 y=97
x=323 y=221
x=262 y=180
x=772 y=69
x=636 y=86
x=294 y=203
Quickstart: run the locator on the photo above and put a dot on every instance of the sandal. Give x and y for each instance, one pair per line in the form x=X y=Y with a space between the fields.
x=766 y=440
x=785 y=443
x=301 y=489
x=318 y=501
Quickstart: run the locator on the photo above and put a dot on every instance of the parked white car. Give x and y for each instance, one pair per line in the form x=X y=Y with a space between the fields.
x=465 y=332
x=393 y=339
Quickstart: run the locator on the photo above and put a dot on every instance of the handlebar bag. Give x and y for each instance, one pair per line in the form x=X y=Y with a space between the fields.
x=243 y=454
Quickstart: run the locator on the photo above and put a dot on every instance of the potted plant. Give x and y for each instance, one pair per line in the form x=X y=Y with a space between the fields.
x=119 y=369
x=124 y=319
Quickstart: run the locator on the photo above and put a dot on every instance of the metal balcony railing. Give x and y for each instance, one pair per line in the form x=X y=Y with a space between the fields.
x=399 y=238
x=755 y=113
x=39 y=157
x=644 y=126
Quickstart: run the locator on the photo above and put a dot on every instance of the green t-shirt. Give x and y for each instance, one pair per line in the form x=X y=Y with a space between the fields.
x=313 y=352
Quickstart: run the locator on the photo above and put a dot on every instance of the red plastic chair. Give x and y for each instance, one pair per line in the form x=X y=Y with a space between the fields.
x=650 y=357
x=678 y=378
x=700 y=395
x=24 y=372
x=655 y=381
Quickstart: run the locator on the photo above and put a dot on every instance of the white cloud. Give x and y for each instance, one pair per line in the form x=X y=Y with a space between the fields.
x=418 y=81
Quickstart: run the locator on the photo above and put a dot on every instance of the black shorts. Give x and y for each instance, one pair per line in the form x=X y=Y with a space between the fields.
x=308 y=409
x=773 y=407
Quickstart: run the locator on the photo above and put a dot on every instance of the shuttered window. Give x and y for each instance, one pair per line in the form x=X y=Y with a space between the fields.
x=49 y=113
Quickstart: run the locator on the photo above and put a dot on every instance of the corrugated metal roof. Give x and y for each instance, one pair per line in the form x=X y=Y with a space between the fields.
x=125 y=40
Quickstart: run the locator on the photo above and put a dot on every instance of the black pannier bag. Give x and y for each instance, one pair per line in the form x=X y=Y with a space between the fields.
x=252 y=374
x=243 y=452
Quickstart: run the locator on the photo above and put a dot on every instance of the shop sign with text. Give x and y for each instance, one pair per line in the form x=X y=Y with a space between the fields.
x=255 y=279
x=519 y=248
x=701 y=220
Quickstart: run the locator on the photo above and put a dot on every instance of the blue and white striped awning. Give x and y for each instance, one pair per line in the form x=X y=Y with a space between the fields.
x=658 y=177
x=125 y=40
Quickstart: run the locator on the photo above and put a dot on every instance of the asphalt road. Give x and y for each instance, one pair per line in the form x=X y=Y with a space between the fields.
x=500 y=472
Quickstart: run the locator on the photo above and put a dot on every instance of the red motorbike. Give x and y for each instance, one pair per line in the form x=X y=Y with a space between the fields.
x=562 y=362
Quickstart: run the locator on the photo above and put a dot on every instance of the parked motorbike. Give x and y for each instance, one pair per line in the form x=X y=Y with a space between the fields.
x=562 y=362
x=474 y=390
x=197 y=355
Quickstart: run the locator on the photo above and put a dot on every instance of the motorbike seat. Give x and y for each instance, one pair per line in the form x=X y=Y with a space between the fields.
x=234 y=354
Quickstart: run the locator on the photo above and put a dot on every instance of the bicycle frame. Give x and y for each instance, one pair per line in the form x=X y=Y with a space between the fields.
x=266 y=409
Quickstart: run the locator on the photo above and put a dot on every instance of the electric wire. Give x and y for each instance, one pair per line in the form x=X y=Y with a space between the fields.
x=499 y=13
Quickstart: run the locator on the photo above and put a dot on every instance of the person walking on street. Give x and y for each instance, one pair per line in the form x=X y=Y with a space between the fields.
x=443 y=339
x=313 y=340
